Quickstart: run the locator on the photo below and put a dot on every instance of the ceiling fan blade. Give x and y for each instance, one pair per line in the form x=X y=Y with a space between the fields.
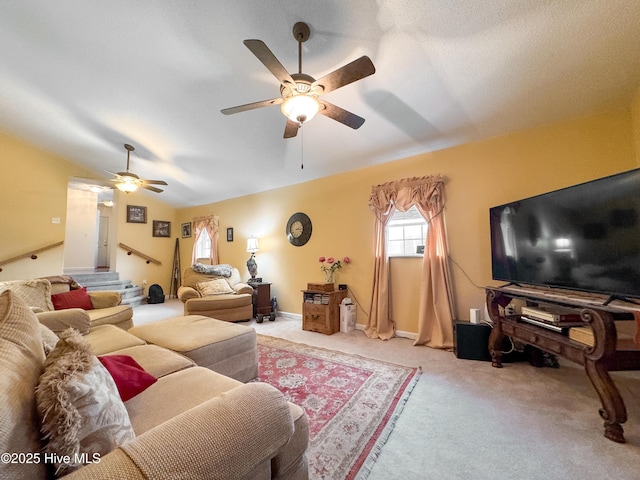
x=251 y=106
x=291 y=129
x=260 y=50
x=153 y=189
x=341 y=115
x=349 y=73
x=154 y=182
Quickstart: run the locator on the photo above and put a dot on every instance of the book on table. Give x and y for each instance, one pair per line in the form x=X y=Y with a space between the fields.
x=583 y=335
x=560 y=316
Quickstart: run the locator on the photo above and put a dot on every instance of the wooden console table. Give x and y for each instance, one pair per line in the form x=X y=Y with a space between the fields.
x=607 y=355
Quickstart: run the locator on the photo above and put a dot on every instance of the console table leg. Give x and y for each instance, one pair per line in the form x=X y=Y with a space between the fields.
x=613 y=412
x=495 y=344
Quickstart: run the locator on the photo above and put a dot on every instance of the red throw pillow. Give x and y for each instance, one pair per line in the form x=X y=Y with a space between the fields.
x=72 y=299
x=130 y=378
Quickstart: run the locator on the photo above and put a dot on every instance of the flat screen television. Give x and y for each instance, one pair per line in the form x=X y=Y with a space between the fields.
x=585 y=237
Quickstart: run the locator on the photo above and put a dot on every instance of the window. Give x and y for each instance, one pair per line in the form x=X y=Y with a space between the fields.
x=406 y=231
x=203 y=246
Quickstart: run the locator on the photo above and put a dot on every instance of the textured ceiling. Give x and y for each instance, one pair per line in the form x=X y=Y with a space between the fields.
x=80 y=79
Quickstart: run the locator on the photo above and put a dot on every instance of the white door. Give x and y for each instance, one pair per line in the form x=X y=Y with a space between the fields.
x=103 y=243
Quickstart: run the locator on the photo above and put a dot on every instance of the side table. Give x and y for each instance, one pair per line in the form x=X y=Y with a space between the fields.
x=262 y=301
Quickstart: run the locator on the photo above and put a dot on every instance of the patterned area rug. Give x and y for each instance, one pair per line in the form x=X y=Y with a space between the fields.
x=352 y=402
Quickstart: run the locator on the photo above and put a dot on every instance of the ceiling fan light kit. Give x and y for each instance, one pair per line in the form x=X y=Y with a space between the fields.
x=300 y=93
x=300 y=108
x=128 y=182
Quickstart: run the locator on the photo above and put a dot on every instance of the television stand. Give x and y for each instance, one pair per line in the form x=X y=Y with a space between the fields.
x=607 y=355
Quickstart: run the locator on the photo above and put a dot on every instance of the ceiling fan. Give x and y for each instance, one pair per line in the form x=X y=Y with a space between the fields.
x=129 y=182
x=300 y=93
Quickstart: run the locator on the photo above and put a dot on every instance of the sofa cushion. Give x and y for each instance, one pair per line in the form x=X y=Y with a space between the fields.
x=72 y=299
x=79 y=404
x=175 y=394
x=130 y=378
x=35 y=293
x=216 y=286
x=59 y=320
x=21 y=361
x=108 y=338
x=158 y=361
x=120 y=316
x=105 y=299
x=49 y=339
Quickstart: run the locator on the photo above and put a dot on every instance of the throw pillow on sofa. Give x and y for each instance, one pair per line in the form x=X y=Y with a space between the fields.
x=35 y=293
x=130 y=378
x=79 y=405
x=72 y=299
x=218 y=286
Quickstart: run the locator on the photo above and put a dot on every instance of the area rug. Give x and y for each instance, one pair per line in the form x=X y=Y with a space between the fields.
x=352 y=402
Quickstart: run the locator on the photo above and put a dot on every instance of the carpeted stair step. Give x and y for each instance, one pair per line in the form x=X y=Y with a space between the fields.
x=95 y=277
x=110 y=281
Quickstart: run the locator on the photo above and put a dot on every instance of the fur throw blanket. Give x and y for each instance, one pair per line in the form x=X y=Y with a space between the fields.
x=222 y=270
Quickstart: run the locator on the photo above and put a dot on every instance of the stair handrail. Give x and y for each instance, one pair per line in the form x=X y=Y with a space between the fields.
x=30 y=254
x=133 y=251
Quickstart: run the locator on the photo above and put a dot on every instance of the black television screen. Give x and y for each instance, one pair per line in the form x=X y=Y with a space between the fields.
x=585 y=237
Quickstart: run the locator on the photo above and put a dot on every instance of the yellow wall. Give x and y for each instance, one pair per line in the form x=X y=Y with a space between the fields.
x=635 y=115
x=479 y=175
x=139 y=236
x=33 y=190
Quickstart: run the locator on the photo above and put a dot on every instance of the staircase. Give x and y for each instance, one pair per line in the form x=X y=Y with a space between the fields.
x=131 y=294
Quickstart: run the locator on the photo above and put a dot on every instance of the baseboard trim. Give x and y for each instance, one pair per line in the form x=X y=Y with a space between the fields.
x=298 y=317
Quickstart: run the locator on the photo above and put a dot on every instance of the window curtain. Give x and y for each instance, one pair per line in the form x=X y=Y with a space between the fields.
x=206 y=226
x=435 y=317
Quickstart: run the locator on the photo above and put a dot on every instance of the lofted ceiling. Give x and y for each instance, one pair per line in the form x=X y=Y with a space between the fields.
x=80 y=79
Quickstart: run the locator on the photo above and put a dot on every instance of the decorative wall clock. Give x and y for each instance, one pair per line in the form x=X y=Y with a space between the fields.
x=298 y=229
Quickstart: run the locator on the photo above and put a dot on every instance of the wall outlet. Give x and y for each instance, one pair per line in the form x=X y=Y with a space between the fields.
x=55 y=220
x=144 y=282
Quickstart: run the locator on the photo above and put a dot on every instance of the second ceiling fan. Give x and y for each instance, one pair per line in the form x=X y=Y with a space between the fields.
x=300 y=93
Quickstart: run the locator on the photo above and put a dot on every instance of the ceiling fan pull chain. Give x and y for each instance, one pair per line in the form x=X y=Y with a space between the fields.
x=301 y=149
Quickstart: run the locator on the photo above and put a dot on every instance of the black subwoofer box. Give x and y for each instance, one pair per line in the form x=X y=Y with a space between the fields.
x=471 y=341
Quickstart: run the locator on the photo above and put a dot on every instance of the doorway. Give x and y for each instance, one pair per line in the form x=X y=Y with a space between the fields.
x=89 y=230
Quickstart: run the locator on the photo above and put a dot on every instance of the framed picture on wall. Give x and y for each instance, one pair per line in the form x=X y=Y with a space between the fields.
x=186 y=230
x=230 y=234
x=161 y=228
x=136 y=214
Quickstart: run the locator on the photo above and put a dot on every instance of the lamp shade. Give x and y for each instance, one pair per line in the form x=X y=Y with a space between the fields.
x=252 y=245
x=300 y=108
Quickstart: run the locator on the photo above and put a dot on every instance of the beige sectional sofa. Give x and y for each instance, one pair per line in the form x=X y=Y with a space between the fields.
x=106 y=306
x=191 y=423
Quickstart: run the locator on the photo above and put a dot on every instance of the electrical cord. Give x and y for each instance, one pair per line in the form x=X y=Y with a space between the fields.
x=352 y=295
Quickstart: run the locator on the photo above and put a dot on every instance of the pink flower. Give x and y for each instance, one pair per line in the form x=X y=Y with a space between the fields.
x=346 y=260
x=321 y=259
x=330 y=260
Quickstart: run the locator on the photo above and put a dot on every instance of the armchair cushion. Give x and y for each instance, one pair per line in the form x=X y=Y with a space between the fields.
x=216 y=286
x=72 y=299
x=79 y=404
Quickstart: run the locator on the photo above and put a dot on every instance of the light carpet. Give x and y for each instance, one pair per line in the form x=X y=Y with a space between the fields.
x=352 y=402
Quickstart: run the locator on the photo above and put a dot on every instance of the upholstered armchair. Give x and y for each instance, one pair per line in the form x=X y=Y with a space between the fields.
x=220 y=293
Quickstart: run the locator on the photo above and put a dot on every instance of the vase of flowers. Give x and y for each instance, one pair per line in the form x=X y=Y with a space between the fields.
x=330 y=265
